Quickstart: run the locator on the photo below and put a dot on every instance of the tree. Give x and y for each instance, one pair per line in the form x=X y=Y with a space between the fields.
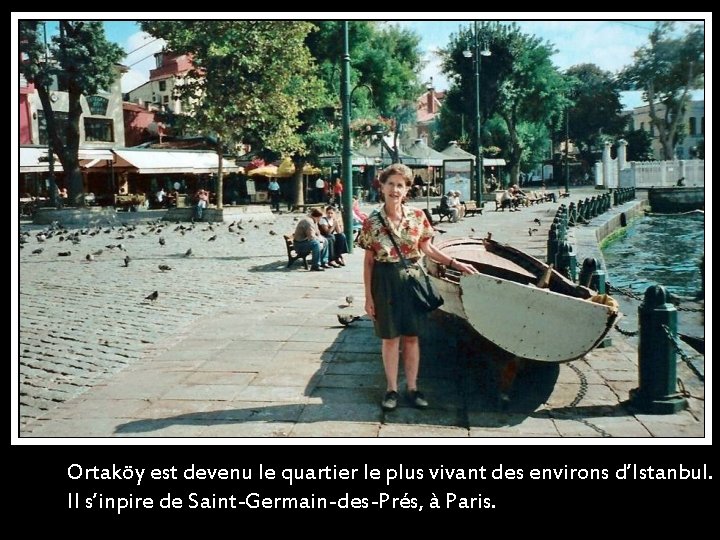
x=596 y=109
x=639 y=146
x=666 y=70
x=250 y=83
x=518 y=82
x=85 y=62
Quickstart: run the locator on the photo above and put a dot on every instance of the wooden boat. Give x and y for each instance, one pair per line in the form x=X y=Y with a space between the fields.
x=674 y=200
x=520 y=304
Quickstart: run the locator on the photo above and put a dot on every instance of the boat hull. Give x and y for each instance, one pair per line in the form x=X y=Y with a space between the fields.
x=555 y=324
x=673 y=200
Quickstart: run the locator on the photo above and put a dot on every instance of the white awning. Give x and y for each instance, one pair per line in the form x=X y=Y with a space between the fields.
x=35 y=159
x=174 y=161
x=493 y=162
x=95 y=153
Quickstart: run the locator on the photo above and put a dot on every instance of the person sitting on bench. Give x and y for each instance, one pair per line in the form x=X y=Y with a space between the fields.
x=447 y=208
x=307 y=239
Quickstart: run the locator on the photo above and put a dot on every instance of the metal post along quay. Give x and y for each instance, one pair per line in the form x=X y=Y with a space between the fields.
x=346 y=155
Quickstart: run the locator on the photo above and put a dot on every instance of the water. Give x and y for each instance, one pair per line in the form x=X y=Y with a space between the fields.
x=659 y=250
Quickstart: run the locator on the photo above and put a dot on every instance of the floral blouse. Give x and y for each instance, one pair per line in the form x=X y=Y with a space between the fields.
x=414 y=229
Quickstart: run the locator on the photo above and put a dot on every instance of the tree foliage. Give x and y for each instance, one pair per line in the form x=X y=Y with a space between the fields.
x=666 y=70
x=251 y=81
x=85 y=60
x=596 y=109
x=518 y=82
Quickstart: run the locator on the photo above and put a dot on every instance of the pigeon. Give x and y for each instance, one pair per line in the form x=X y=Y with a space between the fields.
x=64 y=254
x=273 y=233
x=242 y=239
x=212 y=238
x=127 y=260
x=347 y=320
x=164 y=267
x=349 y=300
x=188 y=252
x=98 y=252
x=161 y=240
x=536 y=220
x=89 y=257
x=530 y=232
x=152 y=296
x=441 y=231
x=37 y=251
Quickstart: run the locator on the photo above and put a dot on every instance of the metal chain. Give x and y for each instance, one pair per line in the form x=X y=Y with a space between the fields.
x=625 y=292
x=684 y=392
x=578 y=398
x=629 y=333
x=683 y=356
x=635 y=296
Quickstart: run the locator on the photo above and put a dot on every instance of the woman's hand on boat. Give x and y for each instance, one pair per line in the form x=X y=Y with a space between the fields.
x=464 y=267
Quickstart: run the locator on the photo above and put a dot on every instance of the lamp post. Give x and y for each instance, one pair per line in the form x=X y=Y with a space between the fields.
x=346 y=155
x=567 y=150
x=52 y=188
x=476 y=55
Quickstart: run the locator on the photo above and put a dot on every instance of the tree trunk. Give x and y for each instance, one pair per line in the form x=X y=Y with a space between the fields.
x=219 y=195
x=298 y=191
x=68 y=153
x=515 y=149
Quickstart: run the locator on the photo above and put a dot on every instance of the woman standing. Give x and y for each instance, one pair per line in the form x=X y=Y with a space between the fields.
x=397 y=320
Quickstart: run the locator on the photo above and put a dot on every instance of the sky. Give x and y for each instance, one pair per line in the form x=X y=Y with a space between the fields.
x=609 y=42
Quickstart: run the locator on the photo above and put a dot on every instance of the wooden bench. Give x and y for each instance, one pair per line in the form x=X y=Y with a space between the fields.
x=443 y=214
x=308 y=206
x=292 y=253
x=472 y=208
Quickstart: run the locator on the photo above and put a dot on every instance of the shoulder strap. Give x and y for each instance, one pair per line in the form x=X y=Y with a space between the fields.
x=402 y=259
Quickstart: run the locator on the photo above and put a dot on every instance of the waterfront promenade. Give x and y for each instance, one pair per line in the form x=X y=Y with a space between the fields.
x=236 y=345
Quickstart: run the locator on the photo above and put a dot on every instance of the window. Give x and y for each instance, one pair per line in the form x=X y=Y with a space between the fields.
x=166 y=99
x=61 y=122
x=99 y=129
x=692 y=128
x=162 y=85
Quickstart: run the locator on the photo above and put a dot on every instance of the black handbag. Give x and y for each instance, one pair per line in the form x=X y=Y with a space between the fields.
x=420 y=288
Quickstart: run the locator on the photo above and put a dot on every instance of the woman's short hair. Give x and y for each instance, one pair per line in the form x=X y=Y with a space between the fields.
x=316 y=212
x=397 y=169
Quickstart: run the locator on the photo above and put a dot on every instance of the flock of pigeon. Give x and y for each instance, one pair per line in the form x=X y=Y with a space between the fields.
x=126 y=233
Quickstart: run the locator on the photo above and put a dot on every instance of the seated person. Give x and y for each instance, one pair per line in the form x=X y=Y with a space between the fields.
x=447 y=208
x=455 y=202
x=307 y=239
x=358 y=215
x=331 y=227
x=507 y=199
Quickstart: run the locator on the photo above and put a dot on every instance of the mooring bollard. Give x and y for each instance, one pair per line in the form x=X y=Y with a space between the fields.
x=657 y=358
x=589 y=266
x=552 y=244
x=566 y=260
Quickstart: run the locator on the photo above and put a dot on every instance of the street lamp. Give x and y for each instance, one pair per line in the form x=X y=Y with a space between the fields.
x=478 y=137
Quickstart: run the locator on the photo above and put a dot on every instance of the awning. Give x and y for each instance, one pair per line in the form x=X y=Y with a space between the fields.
x=424 y=155
x=172 y=161
x=35 y=159
x=493 y=162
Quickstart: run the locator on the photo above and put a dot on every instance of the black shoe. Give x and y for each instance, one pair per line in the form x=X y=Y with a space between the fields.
x=316 y=269
x=390 y=401
x=417 y=399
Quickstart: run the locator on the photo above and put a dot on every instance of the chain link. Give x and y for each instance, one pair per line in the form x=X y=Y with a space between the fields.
x=630 y=294
x=683 y=356
x=629 y=333
x=578 y=398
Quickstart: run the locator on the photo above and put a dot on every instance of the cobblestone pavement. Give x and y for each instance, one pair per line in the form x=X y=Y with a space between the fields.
x=82 y=320
x=237 y=345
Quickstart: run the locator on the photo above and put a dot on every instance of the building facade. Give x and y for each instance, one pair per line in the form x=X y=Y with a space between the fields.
x=160 y=92
x=694 y=128
x=101 y=122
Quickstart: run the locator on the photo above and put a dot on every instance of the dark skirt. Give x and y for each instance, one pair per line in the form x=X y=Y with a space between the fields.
x=395 y=312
